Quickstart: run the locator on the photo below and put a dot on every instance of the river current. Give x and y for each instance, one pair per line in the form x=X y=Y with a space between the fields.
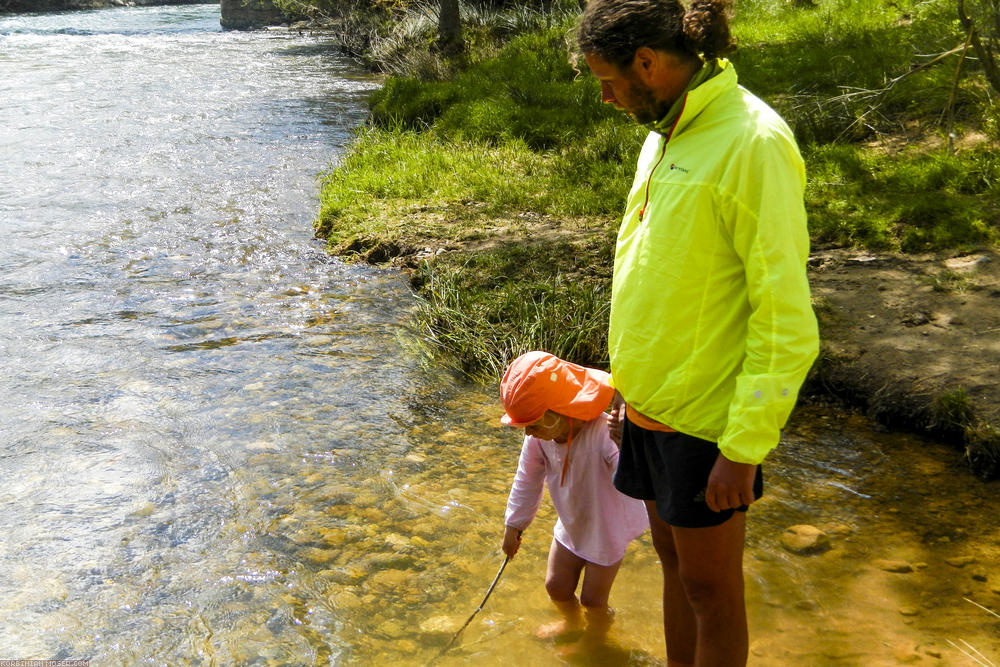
x=219 y=446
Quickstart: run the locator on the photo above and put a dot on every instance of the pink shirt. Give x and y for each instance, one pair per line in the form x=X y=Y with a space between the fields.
x=596 y=521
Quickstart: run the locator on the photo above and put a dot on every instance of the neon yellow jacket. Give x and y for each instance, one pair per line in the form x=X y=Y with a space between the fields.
x=712 y=330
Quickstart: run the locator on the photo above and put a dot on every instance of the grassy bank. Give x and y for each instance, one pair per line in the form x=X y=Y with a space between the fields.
x=498 y=178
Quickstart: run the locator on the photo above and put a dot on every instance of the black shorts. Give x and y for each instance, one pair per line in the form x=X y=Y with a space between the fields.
x=672 y=469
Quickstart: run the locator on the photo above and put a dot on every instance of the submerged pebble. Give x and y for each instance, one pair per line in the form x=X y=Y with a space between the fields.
x=960 y=561
x=889 y=565
x=444 y=624
x=804 y=539
x=389 y=580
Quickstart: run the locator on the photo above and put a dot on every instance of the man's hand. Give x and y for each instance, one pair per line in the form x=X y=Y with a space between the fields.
x=511 y=541
x=730 y=485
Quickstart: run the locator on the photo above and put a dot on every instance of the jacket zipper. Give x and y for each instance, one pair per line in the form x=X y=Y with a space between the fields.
x=663 y=154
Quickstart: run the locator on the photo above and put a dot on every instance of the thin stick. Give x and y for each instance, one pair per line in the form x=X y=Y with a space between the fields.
x=478 y=609
x=977 y=652
x=988 y=611
x=954 y=91
x=969 y=655
x=882 y=92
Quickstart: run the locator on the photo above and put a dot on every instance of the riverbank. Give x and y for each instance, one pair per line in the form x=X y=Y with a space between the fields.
x=910 y=340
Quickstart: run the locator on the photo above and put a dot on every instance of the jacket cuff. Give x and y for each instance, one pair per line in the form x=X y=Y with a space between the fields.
x=760 y=407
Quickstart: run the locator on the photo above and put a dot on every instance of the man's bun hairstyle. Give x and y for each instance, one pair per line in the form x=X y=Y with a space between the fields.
x=614 y=29
x=706 y=28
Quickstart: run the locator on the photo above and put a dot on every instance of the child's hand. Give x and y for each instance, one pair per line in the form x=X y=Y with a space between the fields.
x=511 y=541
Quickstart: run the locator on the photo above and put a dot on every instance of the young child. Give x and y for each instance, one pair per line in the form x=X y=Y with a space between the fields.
x=567 y=444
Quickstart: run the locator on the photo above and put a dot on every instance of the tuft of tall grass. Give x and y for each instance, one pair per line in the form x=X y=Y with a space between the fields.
x=482 y=312
x=982 y=450
x=952 y=413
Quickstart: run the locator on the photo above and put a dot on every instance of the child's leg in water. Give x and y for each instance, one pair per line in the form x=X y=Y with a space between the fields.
x=561 y=580
x=597 y=581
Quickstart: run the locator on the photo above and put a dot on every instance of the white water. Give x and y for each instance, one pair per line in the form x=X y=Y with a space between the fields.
x=165 y=315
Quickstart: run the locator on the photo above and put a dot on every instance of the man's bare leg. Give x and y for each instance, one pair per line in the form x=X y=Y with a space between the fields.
x=710 y=569
x=679 y=625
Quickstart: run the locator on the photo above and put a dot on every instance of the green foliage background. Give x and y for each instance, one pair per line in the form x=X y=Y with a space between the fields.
x=463 y=148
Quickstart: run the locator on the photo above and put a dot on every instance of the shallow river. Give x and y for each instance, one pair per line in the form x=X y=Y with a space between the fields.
x=219 y=447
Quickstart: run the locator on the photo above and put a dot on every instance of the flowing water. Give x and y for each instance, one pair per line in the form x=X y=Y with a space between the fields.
x=219 y=449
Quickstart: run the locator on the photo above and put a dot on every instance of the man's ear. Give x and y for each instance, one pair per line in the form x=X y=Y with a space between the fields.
x=646 y=64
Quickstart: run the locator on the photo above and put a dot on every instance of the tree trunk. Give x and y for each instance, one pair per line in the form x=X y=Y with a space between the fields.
x=450 y=39
x=986 y=55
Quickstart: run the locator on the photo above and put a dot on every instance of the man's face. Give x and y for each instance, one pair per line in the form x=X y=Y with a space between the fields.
x=624 y=89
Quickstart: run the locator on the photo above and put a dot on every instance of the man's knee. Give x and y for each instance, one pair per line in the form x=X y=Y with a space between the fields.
x=712 y=596
x=663 y=542
x=668 y=557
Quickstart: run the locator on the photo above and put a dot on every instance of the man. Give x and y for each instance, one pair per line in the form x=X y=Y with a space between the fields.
x=712 y=332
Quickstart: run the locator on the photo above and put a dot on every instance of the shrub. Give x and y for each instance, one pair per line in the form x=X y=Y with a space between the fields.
x=843 y=70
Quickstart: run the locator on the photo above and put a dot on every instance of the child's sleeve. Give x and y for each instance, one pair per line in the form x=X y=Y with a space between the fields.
x=529 y=486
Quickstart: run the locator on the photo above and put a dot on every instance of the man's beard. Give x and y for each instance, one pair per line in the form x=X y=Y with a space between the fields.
x=645 y=108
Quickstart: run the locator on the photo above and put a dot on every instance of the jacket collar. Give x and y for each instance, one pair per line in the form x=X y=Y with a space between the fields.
x=714 y=77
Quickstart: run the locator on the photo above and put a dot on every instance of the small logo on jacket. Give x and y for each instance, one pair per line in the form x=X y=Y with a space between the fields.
x=674 y=165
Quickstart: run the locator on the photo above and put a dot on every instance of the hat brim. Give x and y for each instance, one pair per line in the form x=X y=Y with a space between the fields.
x=507 y=420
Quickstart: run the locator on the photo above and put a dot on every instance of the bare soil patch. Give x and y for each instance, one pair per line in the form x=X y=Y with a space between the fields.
x=915 y=340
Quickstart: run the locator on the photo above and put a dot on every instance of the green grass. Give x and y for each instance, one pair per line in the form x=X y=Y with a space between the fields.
x=952 y=412
x=527 y=92
x=389 y=172
x=912 y=202
x=848 y=69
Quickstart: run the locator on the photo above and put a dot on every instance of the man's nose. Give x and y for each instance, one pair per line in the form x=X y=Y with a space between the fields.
x=607 y=97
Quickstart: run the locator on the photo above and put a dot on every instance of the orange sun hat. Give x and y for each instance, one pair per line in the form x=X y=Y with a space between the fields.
x=538 y=381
